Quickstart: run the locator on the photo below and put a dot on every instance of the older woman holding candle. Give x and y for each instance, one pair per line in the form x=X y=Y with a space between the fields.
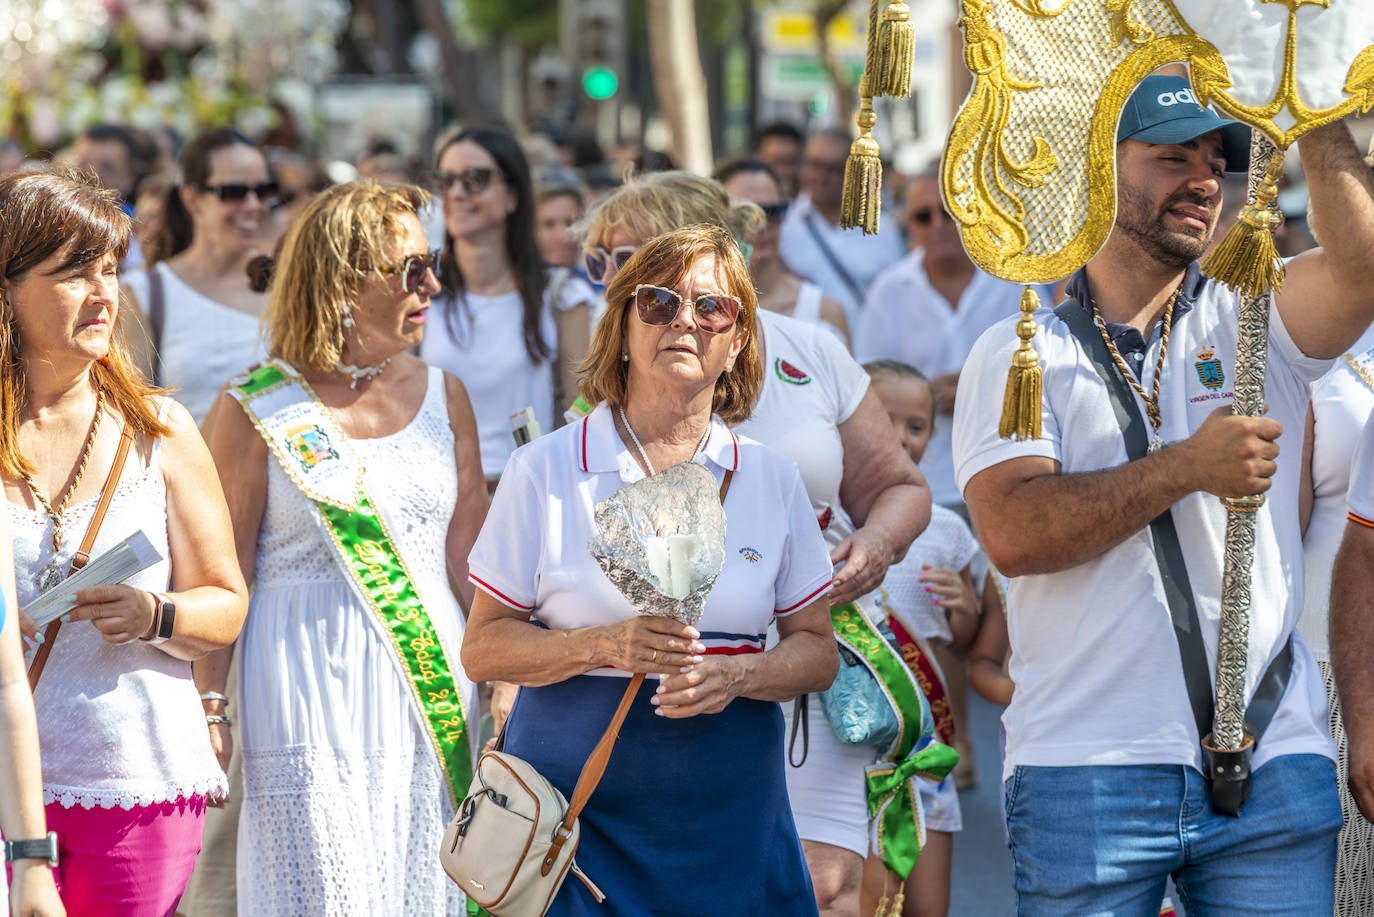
x=870 y=501
x=671 y=829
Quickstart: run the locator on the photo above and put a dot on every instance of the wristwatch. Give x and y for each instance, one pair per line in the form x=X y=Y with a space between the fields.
x=164 y=621
x=43 y=848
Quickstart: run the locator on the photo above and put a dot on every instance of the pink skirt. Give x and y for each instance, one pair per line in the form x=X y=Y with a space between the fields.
x=131 y=863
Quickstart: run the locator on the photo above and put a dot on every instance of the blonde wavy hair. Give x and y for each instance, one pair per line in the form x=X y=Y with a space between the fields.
x=664 y=261
x=60 y=211
x=657 y=202
x=344 y=235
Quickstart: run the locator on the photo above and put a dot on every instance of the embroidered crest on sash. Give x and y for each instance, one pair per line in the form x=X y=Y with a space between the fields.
x=311 y=445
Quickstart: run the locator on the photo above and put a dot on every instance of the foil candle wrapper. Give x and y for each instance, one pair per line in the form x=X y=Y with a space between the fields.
x=681 y=500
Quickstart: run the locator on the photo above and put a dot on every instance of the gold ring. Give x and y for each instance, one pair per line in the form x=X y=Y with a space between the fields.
x=654 y=657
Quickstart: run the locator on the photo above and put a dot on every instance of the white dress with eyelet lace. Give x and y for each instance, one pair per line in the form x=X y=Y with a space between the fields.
x=118 y=726
x=344 y=803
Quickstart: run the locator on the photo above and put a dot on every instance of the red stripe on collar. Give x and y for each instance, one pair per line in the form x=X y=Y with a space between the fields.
x=584 y=442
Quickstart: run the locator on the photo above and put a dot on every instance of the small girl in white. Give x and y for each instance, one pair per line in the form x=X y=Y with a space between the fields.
x=928 y=597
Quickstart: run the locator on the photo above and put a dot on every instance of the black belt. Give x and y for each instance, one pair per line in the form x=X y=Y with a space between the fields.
x=1228 y=773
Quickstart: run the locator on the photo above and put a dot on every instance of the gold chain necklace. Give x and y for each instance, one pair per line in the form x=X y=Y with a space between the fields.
x=1152 y=399
x=1359 y=369
x=51 y=575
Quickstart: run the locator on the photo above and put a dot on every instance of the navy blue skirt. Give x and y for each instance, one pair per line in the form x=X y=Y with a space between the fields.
x=691 y=817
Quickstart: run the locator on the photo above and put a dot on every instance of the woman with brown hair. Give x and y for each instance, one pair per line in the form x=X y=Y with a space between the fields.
x=691 y=815
x=356 y=489
x=116 y=704
x=198 y=310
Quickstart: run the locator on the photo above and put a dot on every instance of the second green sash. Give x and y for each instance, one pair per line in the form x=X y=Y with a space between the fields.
x=893 y=798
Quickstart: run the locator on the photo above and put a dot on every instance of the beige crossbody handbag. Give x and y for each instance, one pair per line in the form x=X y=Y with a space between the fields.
x=514 y=838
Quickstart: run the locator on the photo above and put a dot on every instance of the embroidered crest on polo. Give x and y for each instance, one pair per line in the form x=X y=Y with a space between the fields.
x=1209 y=370
x=753 y=555
x=789 y=373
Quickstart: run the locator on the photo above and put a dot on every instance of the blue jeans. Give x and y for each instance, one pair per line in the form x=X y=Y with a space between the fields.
x=1103 y=840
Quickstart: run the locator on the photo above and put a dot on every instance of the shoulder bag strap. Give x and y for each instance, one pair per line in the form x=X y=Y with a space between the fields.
x=83 y=553
x=595 y=767
x=855 y=288
x=1178 y=591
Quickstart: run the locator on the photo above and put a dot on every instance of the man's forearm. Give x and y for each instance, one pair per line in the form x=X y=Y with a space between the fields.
x=1053 y=522
x=1341 y=192
x=1352 y=629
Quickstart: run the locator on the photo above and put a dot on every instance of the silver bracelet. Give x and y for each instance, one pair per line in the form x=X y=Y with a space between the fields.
x=215 y=695
x=219 y=719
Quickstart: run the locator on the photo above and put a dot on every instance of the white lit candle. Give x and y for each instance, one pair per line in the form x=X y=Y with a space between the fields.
x=681 y=549
x=656 y=551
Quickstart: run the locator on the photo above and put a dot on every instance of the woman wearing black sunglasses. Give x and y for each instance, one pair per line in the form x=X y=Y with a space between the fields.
x=199 y=313
x=780 y=290
x=499 y=330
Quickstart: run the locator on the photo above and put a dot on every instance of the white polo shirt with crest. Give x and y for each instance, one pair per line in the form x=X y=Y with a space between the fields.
x=532 y=553
x=1094 y=656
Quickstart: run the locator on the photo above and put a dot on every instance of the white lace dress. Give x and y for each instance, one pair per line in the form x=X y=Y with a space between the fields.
x=344 y=802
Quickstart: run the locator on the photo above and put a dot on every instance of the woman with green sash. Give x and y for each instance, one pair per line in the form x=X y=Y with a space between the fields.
x=355 y=483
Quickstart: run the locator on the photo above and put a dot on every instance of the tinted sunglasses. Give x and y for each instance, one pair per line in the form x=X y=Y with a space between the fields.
x=775 y=212
x=598 y=259
x=926 y=215
x=414 y=269
x=233 y=192
x=715 y=312
x=474 y=181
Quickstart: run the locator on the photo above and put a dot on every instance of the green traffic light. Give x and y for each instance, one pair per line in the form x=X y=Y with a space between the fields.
x=600 y=82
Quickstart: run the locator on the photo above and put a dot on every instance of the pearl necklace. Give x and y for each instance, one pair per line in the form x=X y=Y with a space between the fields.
x=644 y=456
x=361 y=373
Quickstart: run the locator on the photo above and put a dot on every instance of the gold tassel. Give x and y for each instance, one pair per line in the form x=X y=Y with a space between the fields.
x=1246 y=260
x=863 y=172
x=897 y=902
x=882 y=910
x=896 y=51
x=1025 y=379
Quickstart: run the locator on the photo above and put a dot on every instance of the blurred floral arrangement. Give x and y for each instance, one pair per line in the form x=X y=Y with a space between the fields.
x=186 y=64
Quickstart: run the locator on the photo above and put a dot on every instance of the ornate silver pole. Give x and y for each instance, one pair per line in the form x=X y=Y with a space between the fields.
x=1229 y=744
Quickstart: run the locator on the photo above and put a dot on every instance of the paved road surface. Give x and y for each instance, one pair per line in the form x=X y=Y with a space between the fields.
x=981 y=884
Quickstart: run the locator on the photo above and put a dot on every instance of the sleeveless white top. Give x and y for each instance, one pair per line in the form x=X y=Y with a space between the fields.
x=204 y=343
x=117 y=725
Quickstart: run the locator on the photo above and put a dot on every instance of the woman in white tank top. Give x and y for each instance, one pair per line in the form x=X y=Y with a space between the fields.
x=127 y=765
x=780 y=290
x=199 y=314
x=497 y=328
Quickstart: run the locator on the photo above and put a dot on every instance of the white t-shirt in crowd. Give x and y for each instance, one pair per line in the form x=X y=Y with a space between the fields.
x=843 y=262
x=1341 y=403
x=1361 y=495
x=204 y=343
x=811 y=385
x=946 y=543
x=481 y=340
x=1094 y=656
x=532 y=554
x=906 y=319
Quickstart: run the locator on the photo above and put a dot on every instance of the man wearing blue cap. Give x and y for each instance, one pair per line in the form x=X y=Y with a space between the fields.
x=1111 y=526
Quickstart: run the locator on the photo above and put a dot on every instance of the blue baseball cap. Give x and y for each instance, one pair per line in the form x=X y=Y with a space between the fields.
x=1163 y=110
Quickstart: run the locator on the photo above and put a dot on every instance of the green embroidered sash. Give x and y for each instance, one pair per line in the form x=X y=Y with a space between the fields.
x=315 y=455
x=893 y=798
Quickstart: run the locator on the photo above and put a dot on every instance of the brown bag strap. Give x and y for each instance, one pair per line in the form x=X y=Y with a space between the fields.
x=83 y=553
x=595 y=767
